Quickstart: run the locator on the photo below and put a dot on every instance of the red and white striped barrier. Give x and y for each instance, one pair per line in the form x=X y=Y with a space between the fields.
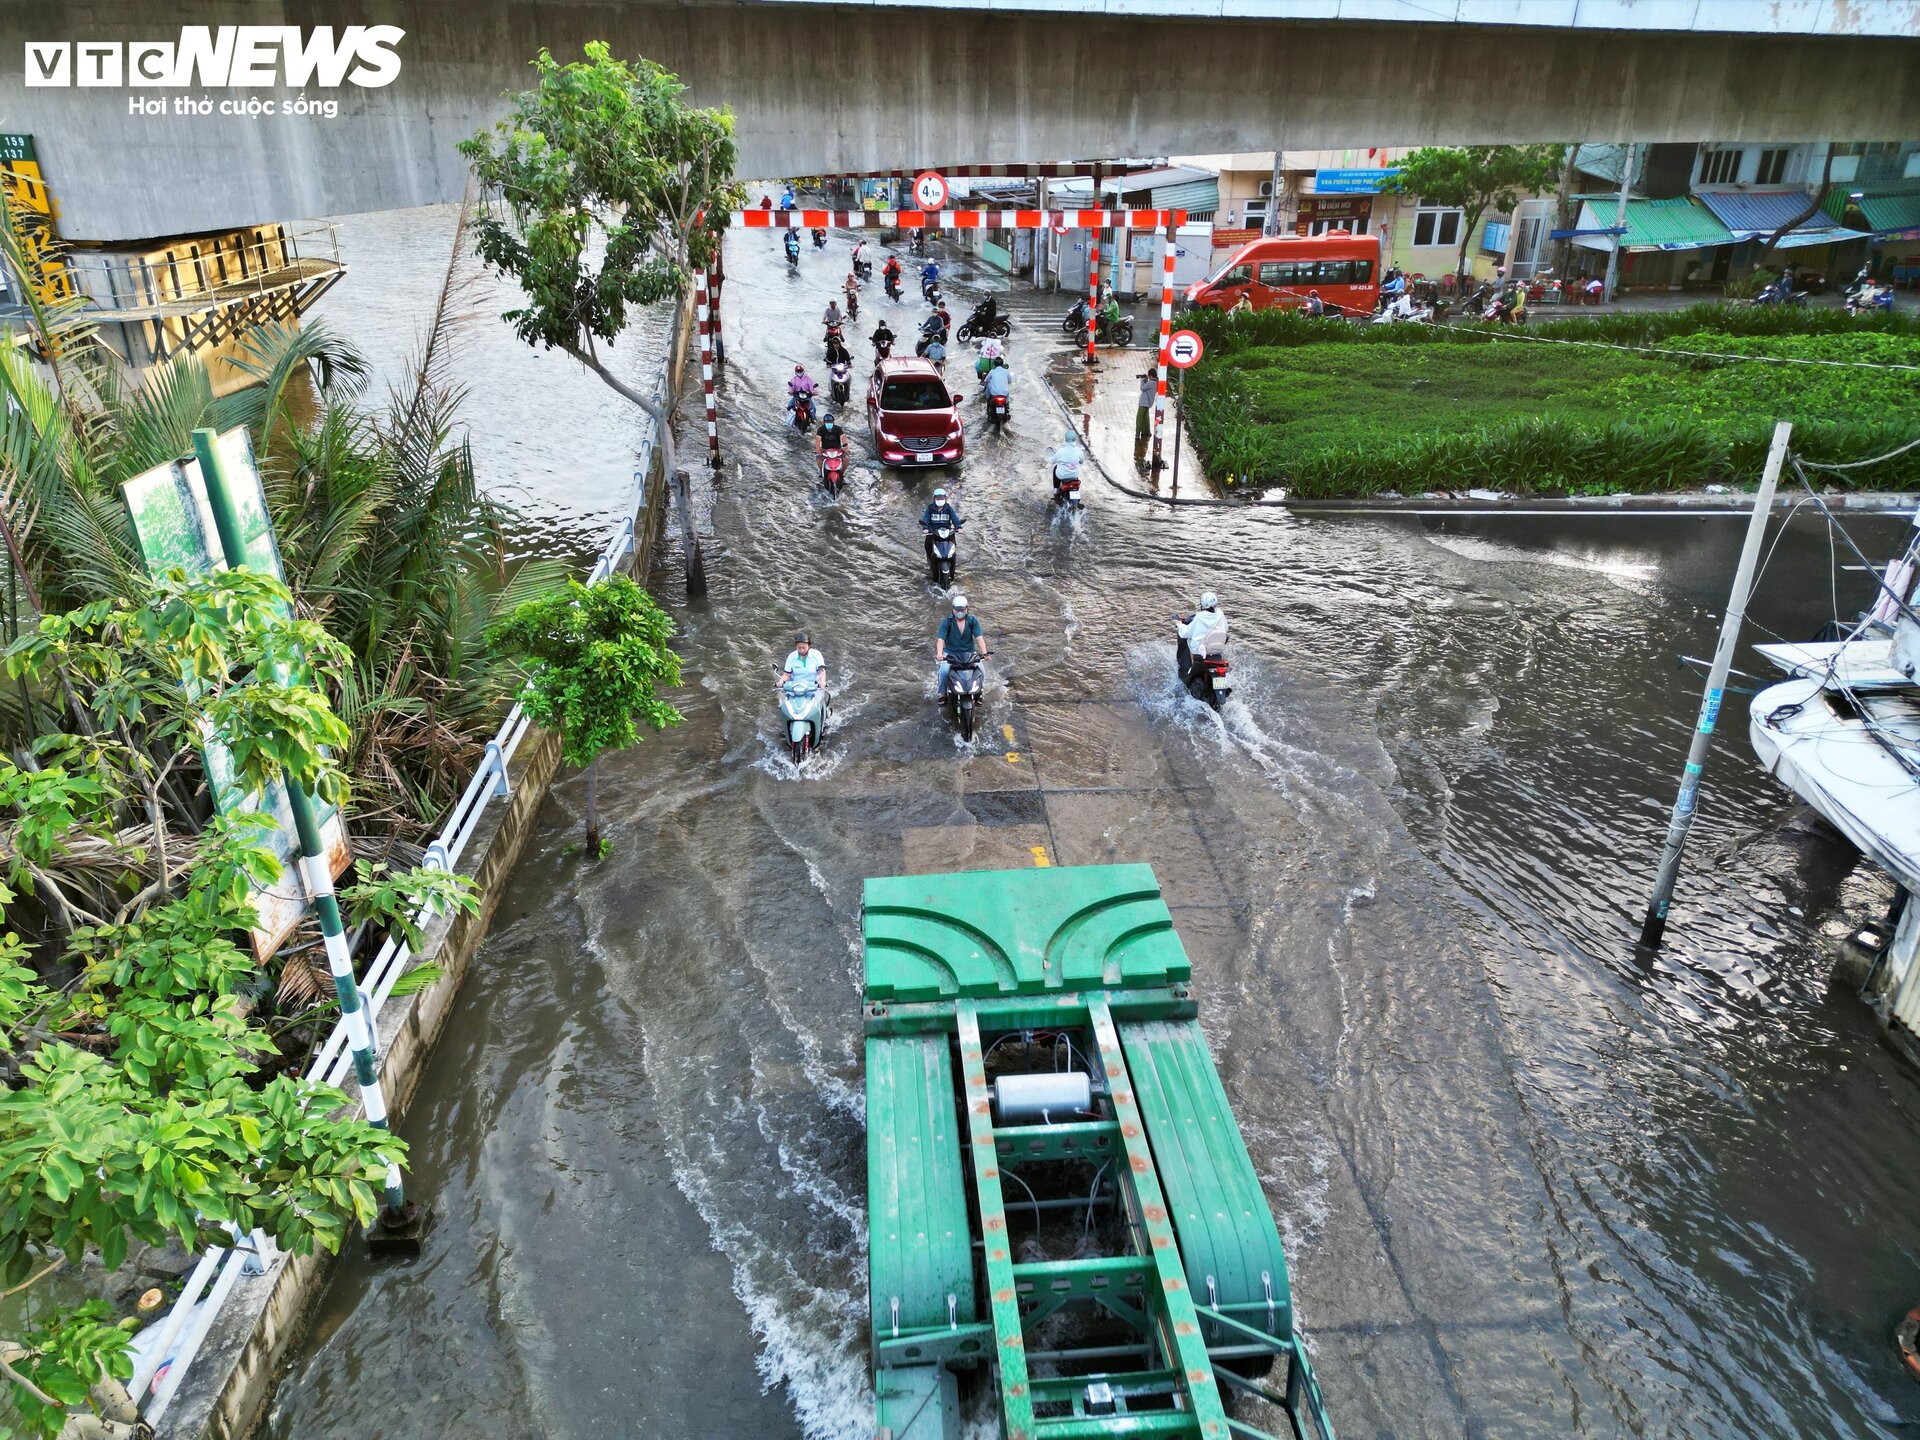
x=1093 y=279
x=703 y=316
x=956 y=219
x=1166 y=341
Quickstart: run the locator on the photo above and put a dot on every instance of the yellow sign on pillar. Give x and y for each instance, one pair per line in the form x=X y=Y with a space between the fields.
x=32 y=208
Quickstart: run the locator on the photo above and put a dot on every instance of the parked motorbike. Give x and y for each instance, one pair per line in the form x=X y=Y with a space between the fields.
x=1118 y=332
x=803 y=705
x=833 y=469
x=1202 y=675
x=963 y=689
x=974 y=327
x=943 y=553
x=840 y=382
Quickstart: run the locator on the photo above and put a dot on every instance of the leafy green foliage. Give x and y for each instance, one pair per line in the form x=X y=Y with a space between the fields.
x=606 y=190
x=1334 y=416
x=1476 y=178
x=140 y=1106
x=389 y=898
x=595 y=657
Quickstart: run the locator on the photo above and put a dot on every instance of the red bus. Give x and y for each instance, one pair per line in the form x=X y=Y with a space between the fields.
x=1277 y=272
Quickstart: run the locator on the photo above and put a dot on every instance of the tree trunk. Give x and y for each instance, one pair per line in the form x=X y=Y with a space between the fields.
x=652 y=407
x=1563 y=216
x=1826 y=179
x=593 y=813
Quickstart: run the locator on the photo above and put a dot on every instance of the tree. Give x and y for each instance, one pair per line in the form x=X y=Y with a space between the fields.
x=1475 y=178
x=604 y=190
x=595 y=657
x=135 y=1106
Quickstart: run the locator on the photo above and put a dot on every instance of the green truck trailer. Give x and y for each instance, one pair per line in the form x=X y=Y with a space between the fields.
x=1059 y=1201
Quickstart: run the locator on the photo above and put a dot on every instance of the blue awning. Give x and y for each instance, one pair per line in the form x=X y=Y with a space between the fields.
x=1757 y=214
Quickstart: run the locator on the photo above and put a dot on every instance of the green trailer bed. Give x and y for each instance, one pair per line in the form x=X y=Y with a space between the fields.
x=1059 y=1196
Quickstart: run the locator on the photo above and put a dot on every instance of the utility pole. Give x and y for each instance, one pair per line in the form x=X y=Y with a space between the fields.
x=1272 y=225
x=1655 y=924
x=1620 y=219
x=400 y=1221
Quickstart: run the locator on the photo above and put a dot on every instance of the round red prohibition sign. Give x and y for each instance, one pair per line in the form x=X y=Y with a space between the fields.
x=930 y=190
x=1184 y=348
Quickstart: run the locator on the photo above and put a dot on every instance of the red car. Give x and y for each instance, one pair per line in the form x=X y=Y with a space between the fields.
x=915 y=419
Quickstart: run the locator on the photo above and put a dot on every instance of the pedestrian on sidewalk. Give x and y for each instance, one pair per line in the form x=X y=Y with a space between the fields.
x=1143 y=421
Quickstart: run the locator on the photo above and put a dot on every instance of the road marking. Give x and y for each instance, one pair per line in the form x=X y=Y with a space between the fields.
x=1013 y=757
x=1040 y=859
x=1007 y=730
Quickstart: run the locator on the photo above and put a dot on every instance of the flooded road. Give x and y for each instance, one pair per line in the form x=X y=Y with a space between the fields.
x=1532 y=1183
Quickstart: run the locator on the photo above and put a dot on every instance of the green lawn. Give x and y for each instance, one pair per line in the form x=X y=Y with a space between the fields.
x=1434 y=411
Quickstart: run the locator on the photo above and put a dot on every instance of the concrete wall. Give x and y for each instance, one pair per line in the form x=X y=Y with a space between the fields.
x=918 y=86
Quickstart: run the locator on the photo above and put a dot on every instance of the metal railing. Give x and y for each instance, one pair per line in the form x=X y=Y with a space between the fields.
x=220 y=274
x=218 y=1271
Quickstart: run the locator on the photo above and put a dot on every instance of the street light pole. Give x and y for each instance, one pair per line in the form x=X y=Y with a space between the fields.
x=398 y=1216
x=1655 y=925
x=1620 y=219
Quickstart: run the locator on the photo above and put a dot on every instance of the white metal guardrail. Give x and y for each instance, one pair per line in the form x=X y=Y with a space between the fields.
x=188 y=1322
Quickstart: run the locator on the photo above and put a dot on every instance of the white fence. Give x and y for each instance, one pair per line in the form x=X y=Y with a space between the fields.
x=186 y=1326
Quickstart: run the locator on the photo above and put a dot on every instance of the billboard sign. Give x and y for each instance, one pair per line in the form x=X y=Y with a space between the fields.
x=1352 y=182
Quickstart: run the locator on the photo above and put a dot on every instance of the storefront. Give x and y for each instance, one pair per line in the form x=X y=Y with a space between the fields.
x=1321 y=213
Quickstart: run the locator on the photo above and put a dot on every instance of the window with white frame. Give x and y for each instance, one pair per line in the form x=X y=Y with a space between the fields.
x=1253 y=215
x=1438 y=226
x=1357 y=224
x=1772 y=169
x=1720 y=167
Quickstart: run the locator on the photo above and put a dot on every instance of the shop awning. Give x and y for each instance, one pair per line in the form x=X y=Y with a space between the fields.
x=1891 y=216
x=1757 y=214
x=1676 y=224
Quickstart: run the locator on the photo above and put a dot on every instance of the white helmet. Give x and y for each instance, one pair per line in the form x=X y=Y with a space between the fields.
x=959 y=602
x=1209 y=600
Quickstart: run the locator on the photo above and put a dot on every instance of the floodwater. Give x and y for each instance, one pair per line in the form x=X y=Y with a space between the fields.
x=1533 y=1183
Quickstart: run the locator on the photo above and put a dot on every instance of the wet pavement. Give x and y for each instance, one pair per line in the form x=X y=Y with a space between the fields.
x=1532 y=1181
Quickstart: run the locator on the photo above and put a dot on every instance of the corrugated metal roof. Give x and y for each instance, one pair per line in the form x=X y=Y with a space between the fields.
x=1196 y=197
x=1888 y=213
x=1755 y=214
x=1155 y=179
x=1676 y=224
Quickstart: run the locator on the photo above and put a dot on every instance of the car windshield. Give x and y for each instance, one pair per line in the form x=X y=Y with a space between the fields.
x=914 y=395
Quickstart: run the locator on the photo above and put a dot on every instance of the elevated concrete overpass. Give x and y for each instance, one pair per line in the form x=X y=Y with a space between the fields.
x=828 y=86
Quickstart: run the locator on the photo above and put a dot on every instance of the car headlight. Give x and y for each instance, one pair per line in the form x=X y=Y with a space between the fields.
x=889 y=437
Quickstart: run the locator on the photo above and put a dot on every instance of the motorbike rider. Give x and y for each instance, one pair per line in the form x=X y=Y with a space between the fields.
x=891 y=273
x=929 y=276
x=819 y=239
x=1109 y=313
x=882 y=339
x=999 y=383
x=985 y=314
x=786 y=199
x=800 y=385
x=793 y=248
x=806 y=664
x=990 y=355
x=1315 y=305
x=837 y=352
x=1065 y=462
x=859 y=255
x=939 y=512
x=960 y=637
x=833 y=318
x=1203 y=633
x=852 y=287
x=829 y=436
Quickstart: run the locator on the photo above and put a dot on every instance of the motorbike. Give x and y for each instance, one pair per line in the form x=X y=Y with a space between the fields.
x=1066 y=490
x=893 y=287
x=997 y=407
x=793 y=252
x=1478 y=301
x=974 y=327
x=963 y=690
x=819 y=239
x=863 y=270
x=833 y=469
x=840 y=382
x=945 y=548
x=930 y=291
x=1118 y=332
x=1502 y=312
x=882 y=347
x=853 y=304
x=803 y=413
x=1777 y=294
x=1869 y=296
x=1202 y=674
x=836 y=335
x=803 y=705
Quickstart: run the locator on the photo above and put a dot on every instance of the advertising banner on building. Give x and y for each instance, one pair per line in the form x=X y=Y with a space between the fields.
x=1352 y=182
x=174 y=522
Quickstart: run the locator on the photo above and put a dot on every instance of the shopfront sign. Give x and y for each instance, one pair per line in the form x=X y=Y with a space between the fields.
x=1352 y=182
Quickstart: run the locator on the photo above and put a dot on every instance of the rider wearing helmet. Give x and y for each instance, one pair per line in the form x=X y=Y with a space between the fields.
x=938 y=512
x=829 y=436
x=1067 y=460
x=959 y=638
x=799 y=386
x=1203 y=633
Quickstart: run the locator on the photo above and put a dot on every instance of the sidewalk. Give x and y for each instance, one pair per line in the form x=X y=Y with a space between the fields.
x=1104 y=402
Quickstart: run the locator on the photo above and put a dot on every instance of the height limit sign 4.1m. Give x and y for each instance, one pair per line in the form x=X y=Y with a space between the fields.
x=930 y=190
